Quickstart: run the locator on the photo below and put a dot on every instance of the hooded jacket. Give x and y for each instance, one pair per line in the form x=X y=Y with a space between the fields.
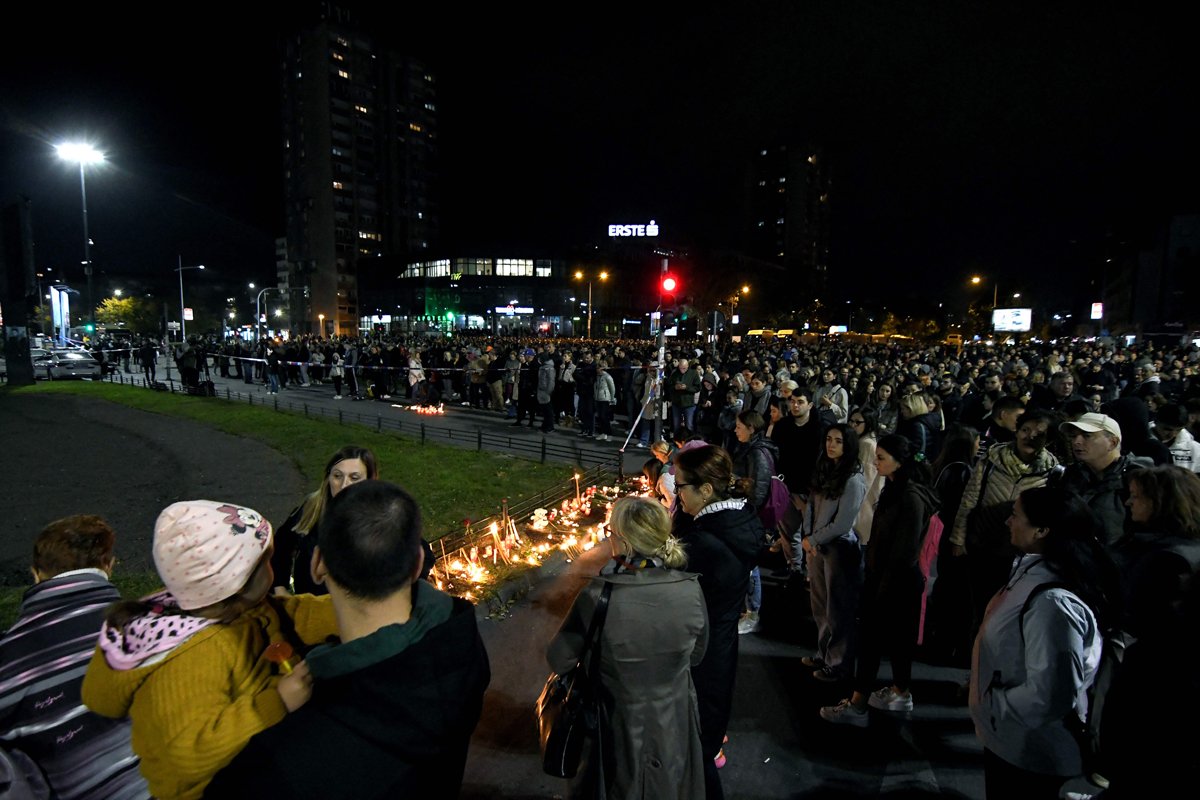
x=195 y=705
x=897 y=533
x=1023 y=684
x=391 y=714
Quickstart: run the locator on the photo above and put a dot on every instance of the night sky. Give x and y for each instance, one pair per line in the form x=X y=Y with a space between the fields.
x=1003 y=140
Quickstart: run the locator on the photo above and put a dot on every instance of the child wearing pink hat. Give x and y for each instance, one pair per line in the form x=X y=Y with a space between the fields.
x=189 y=664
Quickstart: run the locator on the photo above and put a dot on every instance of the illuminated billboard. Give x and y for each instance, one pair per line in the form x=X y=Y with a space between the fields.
x=1014 y=320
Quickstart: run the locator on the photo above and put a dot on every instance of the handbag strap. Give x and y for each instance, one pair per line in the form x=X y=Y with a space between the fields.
x=593 y=634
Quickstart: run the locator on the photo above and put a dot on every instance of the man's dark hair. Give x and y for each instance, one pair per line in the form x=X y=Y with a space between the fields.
x=370 y=539
x=1006 y=403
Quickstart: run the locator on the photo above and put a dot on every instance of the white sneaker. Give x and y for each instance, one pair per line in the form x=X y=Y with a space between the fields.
x=887 y=699
x=748 y=623
x=602 y=437
x=844 y=713
x=337 y=397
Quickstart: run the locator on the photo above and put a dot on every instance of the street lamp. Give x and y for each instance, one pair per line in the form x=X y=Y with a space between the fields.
x=579 y=276
x=258 y=310
x=182 y=320
x=321 y=317
x=976 y=280
x=84 y=154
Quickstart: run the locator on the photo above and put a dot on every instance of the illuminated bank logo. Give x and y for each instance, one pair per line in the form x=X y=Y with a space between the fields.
x=633 y=230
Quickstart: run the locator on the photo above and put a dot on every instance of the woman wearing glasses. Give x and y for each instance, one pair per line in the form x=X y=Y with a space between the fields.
x=721 y=534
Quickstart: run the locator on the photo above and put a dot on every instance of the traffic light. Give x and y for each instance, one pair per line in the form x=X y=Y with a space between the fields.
x=668 y=318
x=670 y=285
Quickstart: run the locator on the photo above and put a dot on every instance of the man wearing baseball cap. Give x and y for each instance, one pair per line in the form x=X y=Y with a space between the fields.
x=1099 y=469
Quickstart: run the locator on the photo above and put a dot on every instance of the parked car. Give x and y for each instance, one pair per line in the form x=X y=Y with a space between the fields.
x=59 y=364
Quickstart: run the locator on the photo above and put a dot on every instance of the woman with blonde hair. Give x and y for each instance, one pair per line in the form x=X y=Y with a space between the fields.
x=656 y=629
x=297 y=537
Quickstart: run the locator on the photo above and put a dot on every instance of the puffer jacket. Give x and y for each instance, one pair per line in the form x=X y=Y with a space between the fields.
x=1001 y=476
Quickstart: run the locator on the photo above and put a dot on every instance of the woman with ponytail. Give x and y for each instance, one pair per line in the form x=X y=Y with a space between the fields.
x=890 y=609
x=722 y=534
x=1039 y=645
x=656 y=629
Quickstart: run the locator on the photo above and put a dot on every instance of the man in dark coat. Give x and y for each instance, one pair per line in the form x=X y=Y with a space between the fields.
x=394 y=704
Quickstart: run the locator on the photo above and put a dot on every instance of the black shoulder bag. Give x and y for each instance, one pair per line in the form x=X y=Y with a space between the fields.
x=568 y=707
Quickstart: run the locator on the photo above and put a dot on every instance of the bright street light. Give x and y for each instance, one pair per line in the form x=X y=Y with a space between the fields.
x=116 y=292
x=83 y=154
x=579 y=276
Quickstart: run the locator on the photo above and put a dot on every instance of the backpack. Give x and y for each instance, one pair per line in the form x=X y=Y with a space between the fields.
x=1114 y=643
x=927 y=561
x=779 y=499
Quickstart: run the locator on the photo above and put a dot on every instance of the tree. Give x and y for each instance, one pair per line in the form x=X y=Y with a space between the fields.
x=135 y=314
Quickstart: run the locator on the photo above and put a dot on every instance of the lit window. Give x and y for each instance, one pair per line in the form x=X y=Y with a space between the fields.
x=762 y=183
x=522 y=267
x=779 y=221
x=343 y=74
x=375 y=237
x=361 y=109
x=429 y=107
x=342 y=41
x=337 y=56
x=824 y=198
x=337 y=185
x=783 y=180
x=337 y=151
x=412 y=126
x=298 y=74
x=812 y=159
x=761 y=223
x=762 y=152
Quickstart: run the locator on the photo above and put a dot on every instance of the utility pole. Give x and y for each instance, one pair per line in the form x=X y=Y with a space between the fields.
x=656 y=391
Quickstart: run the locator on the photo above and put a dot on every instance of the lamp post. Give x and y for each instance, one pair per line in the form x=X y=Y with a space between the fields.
x=976 y=280
x=182 y=320
x=579 y=276
x=258 y=310
x=84 y=154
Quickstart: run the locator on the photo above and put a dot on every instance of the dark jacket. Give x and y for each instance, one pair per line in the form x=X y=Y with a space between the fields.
x=293 y=555
x=756 y=460
x=394 y=727
x=722 y=547
x=799 y=447
x=897 y=533
x=1105 y=493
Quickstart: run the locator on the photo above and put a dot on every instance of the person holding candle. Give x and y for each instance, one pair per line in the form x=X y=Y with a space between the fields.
x=186 y=664
x=399 y=695
x=655 y=632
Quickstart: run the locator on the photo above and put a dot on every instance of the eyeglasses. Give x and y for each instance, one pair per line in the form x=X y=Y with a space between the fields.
x=696 y=486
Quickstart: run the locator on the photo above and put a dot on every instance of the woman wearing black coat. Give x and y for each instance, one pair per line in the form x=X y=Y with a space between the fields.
x=721 y=534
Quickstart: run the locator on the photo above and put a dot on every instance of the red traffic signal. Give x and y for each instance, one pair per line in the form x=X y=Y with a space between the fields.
x=669 y=284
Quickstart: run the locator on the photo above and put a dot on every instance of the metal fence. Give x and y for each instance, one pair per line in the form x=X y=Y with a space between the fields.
x=543 y=448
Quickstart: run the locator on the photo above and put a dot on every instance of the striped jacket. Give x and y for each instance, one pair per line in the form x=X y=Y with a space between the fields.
x=43 y=657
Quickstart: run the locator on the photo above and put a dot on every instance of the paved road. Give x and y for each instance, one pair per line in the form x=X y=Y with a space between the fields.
x=778 y=747
x=565 y=443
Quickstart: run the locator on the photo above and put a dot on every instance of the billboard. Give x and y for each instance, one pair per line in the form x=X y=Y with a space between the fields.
x=1013 y=320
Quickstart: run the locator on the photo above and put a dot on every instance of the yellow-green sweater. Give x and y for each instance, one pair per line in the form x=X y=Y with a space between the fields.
x=193 y=711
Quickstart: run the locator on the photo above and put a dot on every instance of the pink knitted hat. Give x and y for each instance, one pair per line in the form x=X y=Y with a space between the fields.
x=206 y=551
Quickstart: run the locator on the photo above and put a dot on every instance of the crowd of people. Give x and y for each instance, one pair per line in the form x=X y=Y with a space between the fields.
x=1064 y=479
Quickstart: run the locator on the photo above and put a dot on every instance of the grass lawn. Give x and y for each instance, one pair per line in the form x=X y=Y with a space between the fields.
x=449 y=483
